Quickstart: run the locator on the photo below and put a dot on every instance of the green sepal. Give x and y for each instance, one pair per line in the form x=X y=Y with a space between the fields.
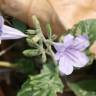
x=31 y=52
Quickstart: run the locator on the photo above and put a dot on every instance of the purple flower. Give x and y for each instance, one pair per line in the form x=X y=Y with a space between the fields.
x=71 y=53
x=7 y=32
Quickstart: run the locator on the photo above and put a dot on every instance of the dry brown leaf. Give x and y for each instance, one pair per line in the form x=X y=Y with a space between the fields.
x=62 y=14
x=72 y=11
x=24 y=9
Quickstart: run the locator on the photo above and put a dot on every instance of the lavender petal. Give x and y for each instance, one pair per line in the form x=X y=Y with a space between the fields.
x=1 y=21
x=59 y=47
x=65 y=66
x=81 y=43
x=57 y=56
x=11 y=33
x=68 y=40
x=78 y=59
x=1 y=24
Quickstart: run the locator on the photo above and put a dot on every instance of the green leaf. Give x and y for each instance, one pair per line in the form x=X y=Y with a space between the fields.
x=86 y=27
x=19 y=25
x=31 y=52
x=84 y=88
x=49 y=30
x=48 y=83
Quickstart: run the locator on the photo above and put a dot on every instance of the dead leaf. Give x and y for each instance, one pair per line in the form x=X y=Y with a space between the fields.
x=72 y=11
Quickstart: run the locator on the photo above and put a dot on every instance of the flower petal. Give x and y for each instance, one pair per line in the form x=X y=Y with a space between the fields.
x=78 y=59
x=1 y=21
x=68 y=40
x=11 y=33
x=58 y=55
x=81 y=43
x=59 y=47
x=65 y=66
x=1 y=24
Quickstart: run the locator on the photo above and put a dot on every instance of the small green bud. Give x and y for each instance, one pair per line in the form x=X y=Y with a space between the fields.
x=44 y=58
x=61 y=39
x=36 y=22
x=54 y=37
x=31 y=52
x=31 y=32
x=49 y=30
x=36 y=38
x=30 y=42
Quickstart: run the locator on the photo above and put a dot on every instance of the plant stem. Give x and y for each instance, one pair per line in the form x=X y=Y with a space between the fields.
x=7 y=49
x=47 y=45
